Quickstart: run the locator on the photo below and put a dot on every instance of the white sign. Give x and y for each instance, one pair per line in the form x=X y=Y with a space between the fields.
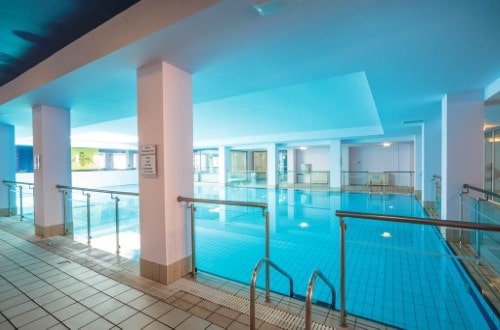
x=148 y=161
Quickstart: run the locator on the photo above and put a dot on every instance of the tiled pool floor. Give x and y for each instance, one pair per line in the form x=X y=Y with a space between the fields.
x=57 y=283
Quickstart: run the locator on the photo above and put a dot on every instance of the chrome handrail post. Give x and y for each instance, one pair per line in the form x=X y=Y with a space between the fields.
x=309 y=295
x=88 y=217
x=343 y=228
x=253 y=281
x=9 y=198
x=21 y=202
x=65 y=211
x=117 y=223
x=268 y=295
x=193 y=257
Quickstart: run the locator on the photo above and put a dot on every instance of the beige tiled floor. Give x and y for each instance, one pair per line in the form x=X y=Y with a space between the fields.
x=59 y=284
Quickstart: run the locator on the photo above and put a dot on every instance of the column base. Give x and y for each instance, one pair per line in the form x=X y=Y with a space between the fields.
x=165 y=274
x=4 y=212
x=49 y=230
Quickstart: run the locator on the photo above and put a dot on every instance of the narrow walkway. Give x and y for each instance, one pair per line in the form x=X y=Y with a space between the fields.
x=57 y=283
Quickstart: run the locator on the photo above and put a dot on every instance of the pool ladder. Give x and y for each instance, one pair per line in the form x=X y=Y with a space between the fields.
x=309 y=294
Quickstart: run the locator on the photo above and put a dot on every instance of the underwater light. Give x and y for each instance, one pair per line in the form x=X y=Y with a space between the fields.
x=304 y=225
x=386 y=234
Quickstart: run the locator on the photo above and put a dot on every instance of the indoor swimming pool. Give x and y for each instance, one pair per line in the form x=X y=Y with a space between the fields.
x=398 y=274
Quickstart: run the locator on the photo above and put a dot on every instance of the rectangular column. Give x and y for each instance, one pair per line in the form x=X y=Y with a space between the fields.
x=462 y=147
x=224 y=164
x=51 y=167
x=417 y=164
x=335 y=165
x=272 y=166
x=431 y=159
x=7 y=167
x=165 y=121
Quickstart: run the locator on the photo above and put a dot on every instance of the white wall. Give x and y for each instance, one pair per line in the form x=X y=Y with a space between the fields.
x=377 y=158
x=318 y=157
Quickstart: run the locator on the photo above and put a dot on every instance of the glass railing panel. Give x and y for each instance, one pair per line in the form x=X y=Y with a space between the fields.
x=355 y=181
x=24 y=202
x=102 y=226
x=229 y=240
x=407 y=276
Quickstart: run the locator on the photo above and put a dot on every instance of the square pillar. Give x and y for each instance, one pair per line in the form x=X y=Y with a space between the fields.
x=51 y=167
x=462 y=147
x=224 y=164
x=165 y=120
x=272 y=166
x=335 y=165
x=7 y=168
x=431 y=159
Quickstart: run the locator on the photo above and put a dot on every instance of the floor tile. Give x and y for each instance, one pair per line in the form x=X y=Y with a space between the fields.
x=19 y=309
x=120 y=314
x=142 y=302
x=158 y=309
x=81 y=319
x=94 y=300
x=98 y=324
x=28 y=317
x=49 y=297
x=69 y=311
x=108 y=306
x=14 y=301
x=174 y=317
x=155 y=325
x=58 y=304
x=44 y=322
x=193 y=323
x=136 y=321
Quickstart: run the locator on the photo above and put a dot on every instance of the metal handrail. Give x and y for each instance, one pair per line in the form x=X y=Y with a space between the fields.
x=436 y=177
x=419 y=221
x=254 y=280
x=263 y=206
x=486 y=192
x=113 y=192
x=85 y=192
x=17 y=184
x=310 y=288
x=392 y=218
x=190 y=203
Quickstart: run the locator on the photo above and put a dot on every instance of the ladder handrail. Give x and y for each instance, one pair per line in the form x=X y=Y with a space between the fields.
x=254 y=280
x=309 y=294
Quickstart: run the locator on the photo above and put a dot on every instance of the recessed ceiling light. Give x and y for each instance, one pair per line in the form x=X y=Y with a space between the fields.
x=267 y=7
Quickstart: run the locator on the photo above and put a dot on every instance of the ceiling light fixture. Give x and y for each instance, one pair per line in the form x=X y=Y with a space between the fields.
x=267 y=7
x=386 y=144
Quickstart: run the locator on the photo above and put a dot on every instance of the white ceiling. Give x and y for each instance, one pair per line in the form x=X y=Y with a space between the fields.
x=321 y=69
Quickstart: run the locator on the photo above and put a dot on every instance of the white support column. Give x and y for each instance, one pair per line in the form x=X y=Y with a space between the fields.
x=165 y=119
x=291 y=155
x=344 y=166
x=431 y=159
x=7 y=167
x=462 y=147
x=224 y=164
x=52 y=166
x=335 y=165
x=417 y=163
x=272 y=166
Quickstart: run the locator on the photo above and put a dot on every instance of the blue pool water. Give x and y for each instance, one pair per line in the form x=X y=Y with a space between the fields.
x=406 y=280
x=398 y=274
